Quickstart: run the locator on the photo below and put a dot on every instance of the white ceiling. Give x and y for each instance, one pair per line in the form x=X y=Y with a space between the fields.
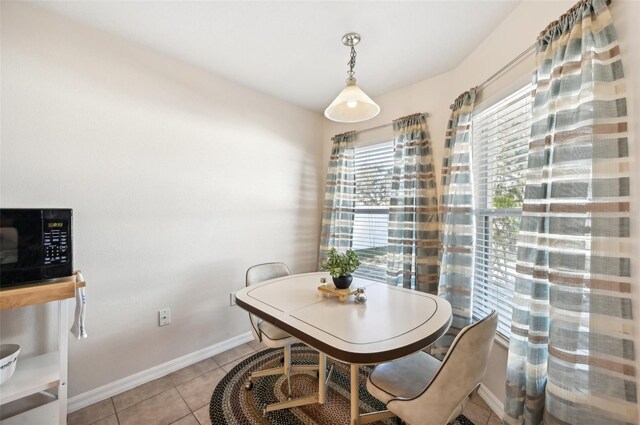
x=292 y=49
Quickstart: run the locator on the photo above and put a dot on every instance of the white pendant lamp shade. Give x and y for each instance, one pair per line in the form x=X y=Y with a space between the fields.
x=352 y=105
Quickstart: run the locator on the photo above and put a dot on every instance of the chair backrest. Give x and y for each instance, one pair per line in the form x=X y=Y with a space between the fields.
x=260 y=273
x=459 y=374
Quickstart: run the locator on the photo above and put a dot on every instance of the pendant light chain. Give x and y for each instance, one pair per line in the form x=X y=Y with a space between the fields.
x=352 y=62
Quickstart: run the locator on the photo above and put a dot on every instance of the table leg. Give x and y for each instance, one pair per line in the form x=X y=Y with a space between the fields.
x=322 y=377
x=355 y=395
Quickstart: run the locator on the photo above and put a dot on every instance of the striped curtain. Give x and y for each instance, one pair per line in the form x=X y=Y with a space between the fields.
x=412 y=256
x=571 y=354
x=339 y=199
x=457 y=220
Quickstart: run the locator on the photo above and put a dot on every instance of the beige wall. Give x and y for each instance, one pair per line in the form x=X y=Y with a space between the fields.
x=179 y=181
x=516 y=33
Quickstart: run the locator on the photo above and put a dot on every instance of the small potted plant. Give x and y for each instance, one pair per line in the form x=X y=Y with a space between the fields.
x=340 y=266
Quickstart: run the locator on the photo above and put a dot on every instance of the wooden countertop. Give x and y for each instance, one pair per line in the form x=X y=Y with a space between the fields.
x=39 y=292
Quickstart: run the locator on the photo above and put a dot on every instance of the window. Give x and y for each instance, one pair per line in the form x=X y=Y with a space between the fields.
x=373 y=172
x=500 y=136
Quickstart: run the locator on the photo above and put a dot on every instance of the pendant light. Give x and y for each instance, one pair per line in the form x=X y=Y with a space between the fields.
x=352 y=104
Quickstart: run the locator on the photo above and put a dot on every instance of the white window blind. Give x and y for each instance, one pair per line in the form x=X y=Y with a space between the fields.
x=373 y=171
x=500 y=136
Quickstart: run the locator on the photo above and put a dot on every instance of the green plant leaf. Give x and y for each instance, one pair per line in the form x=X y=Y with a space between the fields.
x=339 y=264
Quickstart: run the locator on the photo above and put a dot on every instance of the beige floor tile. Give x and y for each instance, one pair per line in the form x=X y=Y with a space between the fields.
x=198 y=391
x=91 y=414
x=142 y=392
x=480 y=402
x=188 y=373
x=227 y=368
x=233 y=354
x=494 y=420
x=476 y=414
x=187 y=420
x=257 y=345
x=160 y=409
x=202 y=415
x=111 y=420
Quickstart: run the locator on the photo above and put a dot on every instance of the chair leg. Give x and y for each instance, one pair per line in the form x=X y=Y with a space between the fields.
x=266 y=372
x=287 y=367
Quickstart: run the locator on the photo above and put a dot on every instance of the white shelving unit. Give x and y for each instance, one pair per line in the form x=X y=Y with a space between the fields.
x=24 y=398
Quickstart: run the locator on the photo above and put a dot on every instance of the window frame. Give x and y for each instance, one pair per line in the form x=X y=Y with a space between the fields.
x=385 y=138
x=484 y=214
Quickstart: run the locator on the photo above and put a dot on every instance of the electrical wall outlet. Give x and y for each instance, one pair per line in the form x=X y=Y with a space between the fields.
x=232 y=299
x=164 y=316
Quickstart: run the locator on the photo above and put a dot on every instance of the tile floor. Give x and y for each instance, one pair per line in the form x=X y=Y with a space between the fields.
x=182 y=397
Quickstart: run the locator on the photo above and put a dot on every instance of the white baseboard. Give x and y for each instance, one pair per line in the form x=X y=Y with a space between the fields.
x=117 y=387
x=494 y=403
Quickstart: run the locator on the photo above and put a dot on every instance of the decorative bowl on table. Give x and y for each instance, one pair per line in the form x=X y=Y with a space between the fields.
x=8 y=360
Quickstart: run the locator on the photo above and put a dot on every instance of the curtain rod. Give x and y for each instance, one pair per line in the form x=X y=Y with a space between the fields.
x=530 y=48
x=507 y=66
x=426 y=114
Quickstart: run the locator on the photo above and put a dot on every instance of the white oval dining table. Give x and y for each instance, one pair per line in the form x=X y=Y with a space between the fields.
x=393 y=323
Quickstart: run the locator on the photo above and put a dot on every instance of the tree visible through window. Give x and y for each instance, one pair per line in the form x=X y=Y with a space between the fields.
x=373 y=172
x=500 y=137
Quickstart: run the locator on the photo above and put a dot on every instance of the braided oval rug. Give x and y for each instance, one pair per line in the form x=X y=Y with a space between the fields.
x=231 y=404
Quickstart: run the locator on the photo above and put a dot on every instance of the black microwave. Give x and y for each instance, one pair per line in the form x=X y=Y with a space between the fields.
x=35 y=244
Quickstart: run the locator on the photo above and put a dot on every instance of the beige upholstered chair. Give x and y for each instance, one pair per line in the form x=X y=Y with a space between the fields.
x=421 y=390
x=269 y=334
